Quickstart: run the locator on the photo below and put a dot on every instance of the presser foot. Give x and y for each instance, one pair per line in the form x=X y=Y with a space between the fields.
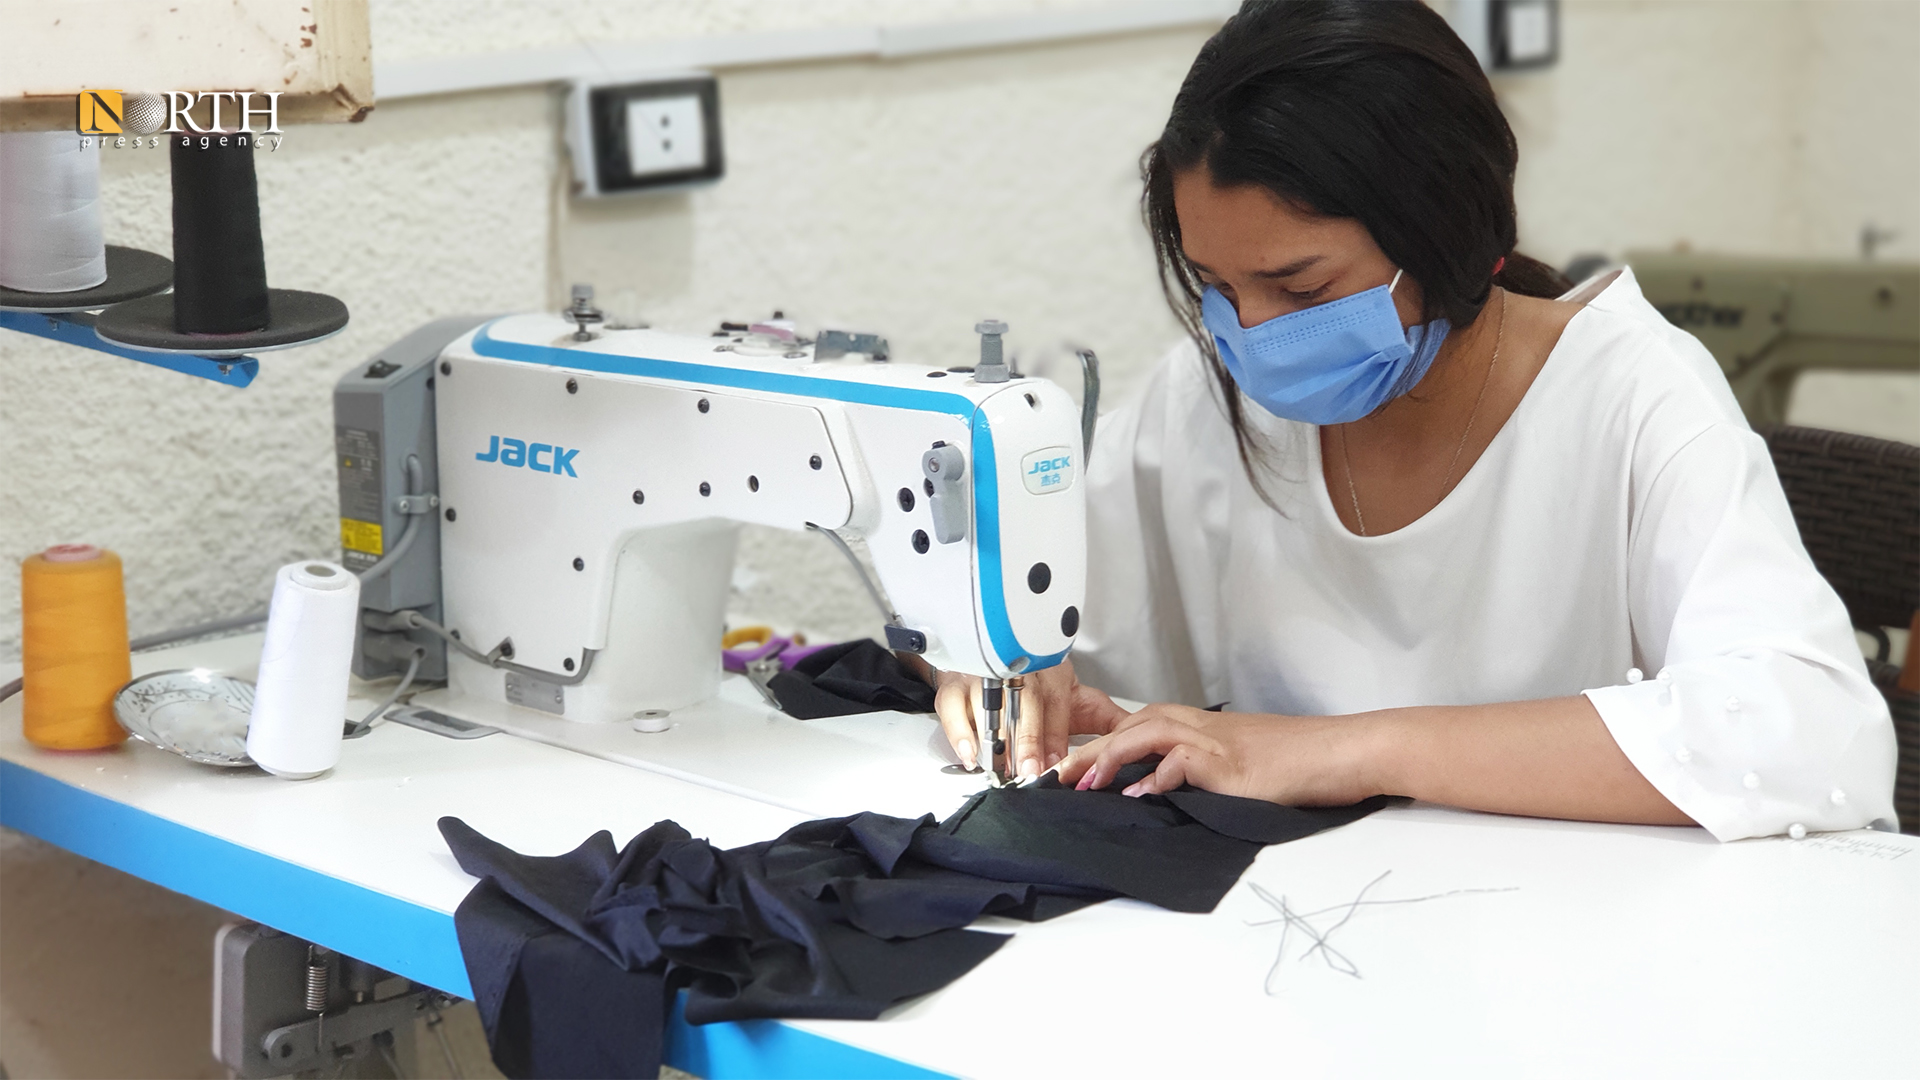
x=996 y=730
x=996 y=777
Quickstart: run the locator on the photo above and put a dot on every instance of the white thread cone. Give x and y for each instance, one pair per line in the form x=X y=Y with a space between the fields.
x=50 y=213
x=300 y=695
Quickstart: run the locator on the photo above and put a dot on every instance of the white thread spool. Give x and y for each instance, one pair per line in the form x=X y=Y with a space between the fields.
x=300 y=695
x=50 y=213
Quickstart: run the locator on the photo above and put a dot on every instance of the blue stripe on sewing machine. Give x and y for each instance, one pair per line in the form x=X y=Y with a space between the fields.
x=986 y=492
x=986 y=511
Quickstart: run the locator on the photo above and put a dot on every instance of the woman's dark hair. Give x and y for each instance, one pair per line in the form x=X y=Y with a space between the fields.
x=1366 y=109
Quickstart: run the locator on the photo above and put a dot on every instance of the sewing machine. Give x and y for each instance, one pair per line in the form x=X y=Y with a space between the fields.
x=1767 y=320
x=566 y=497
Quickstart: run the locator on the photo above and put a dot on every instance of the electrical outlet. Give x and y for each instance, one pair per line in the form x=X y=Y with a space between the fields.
x=666 y=135
x=660 y=135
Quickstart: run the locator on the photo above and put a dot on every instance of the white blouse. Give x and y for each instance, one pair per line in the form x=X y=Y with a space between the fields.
x=1625 y=517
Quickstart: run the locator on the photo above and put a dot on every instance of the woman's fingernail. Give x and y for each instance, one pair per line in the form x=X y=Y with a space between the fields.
x=1133 y=790
x=1054 y=759
x=1030 y=767
x=965 y=750
x=1086 y=781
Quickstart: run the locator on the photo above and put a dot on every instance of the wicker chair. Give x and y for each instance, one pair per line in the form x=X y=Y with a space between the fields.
x=1857 y=502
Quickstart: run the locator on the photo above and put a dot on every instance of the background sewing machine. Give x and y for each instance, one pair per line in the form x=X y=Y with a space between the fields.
x=1767 y=320
x=544 y=515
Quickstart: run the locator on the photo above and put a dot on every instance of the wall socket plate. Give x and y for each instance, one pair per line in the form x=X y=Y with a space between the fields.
x=1508 y=36
x=666 y=135
x=661 y=134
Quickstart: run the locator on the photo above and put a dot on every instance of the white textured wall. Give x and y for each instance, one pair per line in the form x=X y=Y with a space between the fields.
x=1747 y=126
x=1743 y=126
x=908 y=197
x=1857 y=127
x=412 y=29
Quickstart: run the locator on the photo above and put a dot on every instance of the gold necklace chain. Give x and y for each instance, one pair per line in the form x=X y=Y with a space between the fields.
x=1446 y=483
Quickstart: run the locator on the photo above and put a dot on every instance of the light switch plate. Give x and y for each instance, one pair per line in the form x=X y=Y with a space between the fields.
x=662 y=134
x=665 y=135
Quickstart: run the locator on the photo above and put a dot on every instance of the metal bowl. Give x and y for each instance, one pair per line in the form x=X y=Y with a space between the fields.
x=199 y=714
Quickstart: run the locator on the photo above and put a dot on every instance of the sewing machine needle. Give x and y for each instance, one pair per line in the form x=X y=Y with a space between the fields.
x=990 y=695
x=1014 y=686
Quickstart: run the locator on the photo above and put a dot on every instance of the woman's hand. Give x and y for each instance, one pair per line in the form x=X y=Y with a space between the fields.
x=1295 y=760
x=1053 y=706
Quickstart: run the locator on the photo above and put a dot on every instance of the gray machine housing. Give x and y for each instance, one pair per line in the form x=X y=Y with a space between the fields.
x=383 y=415
x=283 y=1006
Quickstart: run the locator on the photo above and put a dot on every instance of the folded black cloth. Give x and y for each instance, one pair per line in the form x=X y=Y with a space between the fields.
x=575 y=958
x=1182 y=850
x=853 y=677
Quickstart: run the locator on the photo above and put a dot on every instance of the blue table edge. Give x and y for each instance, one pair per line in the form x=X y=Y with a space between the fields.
x=404 y=938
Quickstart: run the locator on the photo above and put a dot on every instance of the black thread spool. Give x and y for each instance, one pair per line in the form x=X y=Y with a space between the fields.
x=220 y=304
x=219 y=265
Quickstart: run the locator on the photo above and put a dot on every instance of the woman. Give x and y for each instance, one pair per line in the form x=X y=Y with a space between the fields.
x=1418 y=525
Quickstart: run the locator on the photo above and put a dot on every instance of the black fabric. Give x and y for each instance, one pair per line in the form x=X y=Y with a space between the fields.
x=598 y=1010
x=1181 y=851
x=853 y=677
x=575 y=958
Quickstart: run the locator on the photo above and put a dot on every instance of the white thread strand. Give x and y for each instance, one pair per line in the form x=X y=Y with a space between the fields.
x=1334 y=958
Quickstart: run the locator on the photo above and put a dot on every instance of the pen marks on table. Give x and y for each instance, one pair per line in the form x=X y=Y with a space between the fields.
x=1321 y=940
x=1861 y=847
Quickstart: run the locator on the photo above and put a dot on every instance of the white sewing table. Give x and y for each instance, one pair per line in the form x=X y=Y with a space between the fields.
x=1615 y=950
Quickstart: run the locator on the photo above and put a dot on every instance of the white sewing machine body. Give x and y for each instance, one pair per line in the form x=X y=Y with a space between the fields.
x=591 y=490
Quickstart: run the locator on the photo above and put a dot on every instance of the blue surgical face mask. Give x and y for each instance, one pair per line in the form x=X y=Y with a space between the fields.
x=1329 y=364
